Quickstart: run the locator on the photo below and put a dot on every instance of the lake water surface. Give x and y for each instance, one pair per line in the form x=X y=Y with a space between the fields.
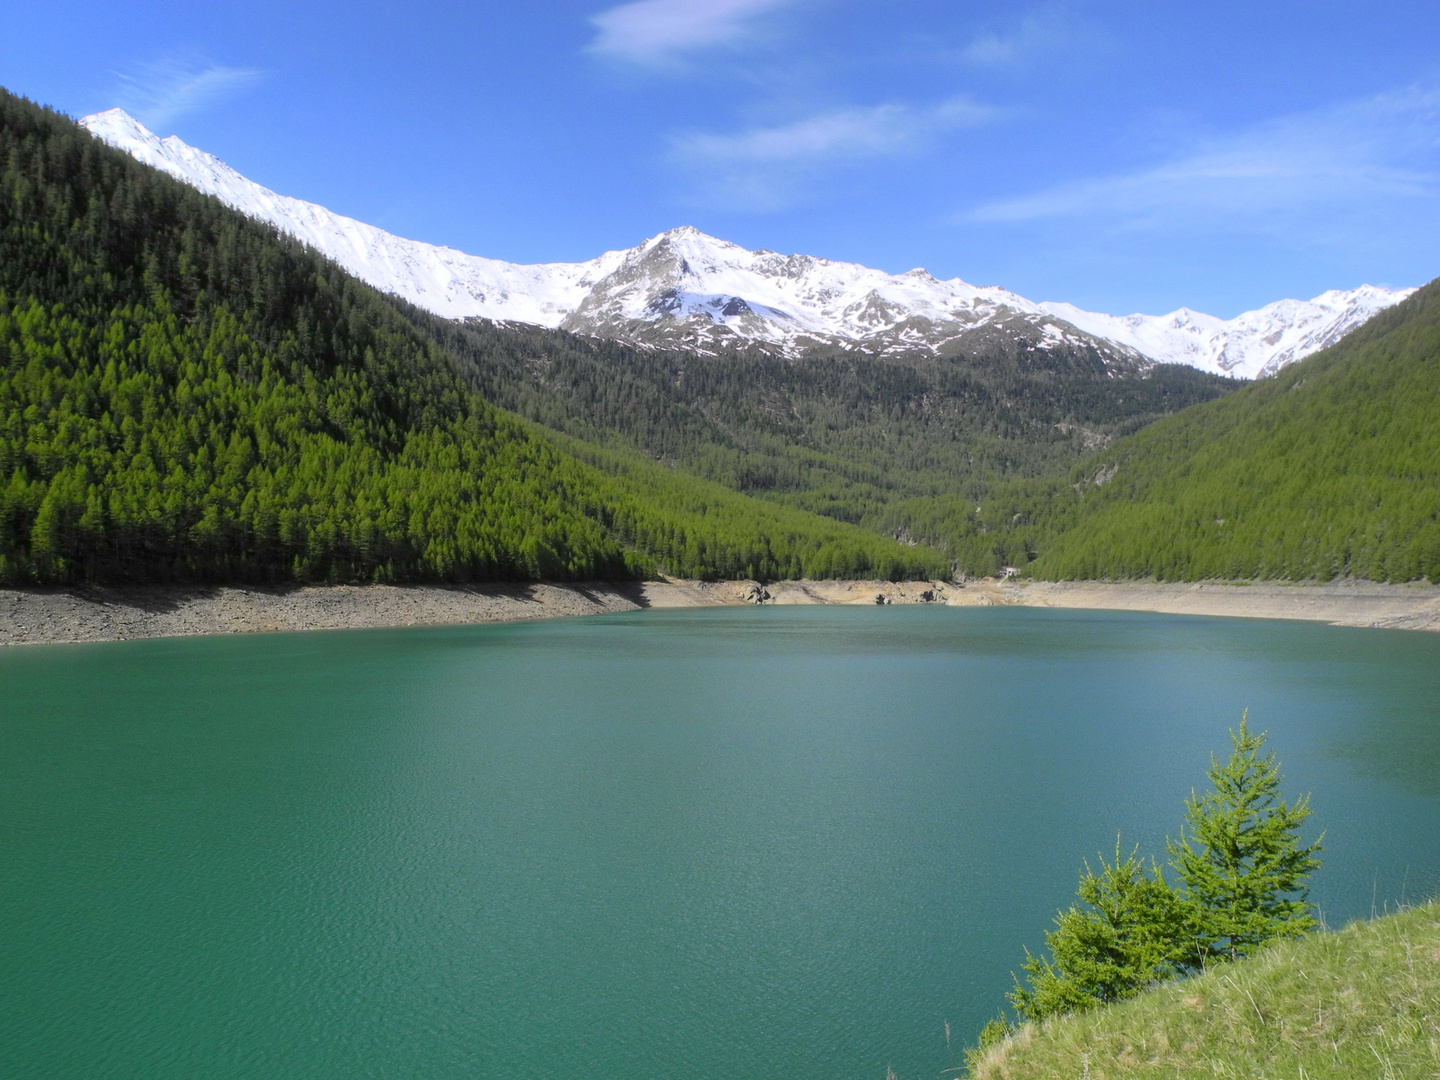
x=786 y=842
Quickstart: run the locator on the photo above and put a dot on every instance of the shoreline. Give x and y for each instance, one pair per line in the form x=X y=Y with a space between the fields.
x=64 y=616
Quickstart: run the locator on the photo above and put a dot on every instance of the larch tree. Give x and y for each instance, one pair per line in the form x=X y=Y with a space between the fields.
x=1242 y=866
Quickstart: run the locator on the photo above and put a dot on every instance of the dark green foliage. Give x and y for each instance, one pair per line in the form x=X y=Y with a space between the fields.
x=1130 y=932
x=869 y=440
x=1239 y=858
x=1329 y=469
x=187 y=395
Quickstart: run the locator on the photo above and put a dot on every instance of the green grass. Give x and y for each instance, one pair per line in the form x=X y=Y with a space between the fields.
x=1360 y=1002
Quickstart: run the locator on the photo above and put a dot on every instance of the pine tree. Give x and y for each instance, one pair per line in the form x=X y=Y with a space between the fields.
x=1129 y=934
x=1241 y=864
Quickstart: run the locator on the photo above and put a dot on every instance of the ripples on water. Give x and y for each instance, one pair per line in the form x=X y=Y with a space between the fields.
x=752 y=843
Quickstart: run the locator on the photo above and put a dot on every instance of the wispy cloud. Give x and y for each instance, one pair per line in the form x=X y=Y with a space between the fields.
x=764 y=168
x=657 y=32
x=160 y=93
x=1037 y=33
x=1349 y=157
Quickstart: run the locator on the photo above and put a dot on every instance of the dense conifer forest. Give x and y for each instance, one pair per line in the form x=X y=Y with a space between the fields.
x=187 y=395
x=1329 y=469
x=850 y=436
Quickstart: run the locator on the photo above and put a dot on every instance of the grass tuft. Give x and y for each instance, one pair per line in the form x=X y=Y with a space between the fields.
x=1360 y=1002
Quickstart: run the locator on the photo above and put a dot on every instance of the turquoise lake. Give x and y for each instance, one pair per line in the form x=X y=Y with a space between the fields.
x=758 y=843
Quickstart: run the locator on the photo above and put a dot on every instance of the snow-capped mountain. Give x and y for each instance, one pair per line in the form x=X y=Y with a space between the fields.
x=1252 y=345
x=685 y=288
x=439 y=279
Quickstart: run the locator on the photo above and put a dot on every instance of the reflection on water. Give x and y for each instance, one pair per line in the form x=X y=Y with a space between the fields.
x=742 y=842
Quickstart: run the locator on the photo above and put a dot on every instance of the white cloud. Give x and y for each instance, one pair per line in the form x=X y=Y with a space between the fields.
x=1045 y=30
x=158 y=94
x=651 y=32
x=763 y=168
x=1350 y=157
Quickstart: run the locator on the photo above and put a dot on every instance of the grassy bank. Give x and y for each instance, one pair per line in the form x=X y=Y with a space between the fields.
x=1360 y=1002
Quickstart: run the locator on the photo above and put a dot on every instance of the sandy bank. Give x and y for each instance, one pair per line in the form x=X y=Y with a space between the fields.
x=1341 y=603
x=118 y=614
x=53 y=616
x=37 y=616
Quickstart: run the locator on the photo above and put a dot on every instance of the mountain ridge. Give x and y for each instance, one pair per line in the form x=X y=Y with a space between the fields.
x=685 y=289
x=1330 y=469
x=189 y=395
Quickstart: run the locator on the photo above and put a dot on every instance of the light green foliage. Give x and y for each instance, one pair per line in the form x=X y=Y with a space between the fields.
x=992 y=1034
x=1129 y=932
x=1239 y=858
x=1242 y=874
x=187 y=395
x=697 y=528
x=1329 y=469
x=1363 y=1002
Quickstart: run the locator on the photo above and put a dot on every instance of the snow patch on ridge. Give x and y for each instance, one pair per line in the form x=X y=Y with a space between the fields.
x=439 y=279
x=1250 y=346
x=683 y=287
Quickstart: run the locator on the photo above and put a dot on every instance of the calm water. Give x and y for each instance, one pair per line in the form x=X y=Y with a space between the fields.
x=735 y=843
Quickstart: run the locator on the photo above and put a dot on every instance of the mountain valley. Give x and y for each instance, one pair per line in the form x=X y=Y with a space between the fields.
x=824 y=420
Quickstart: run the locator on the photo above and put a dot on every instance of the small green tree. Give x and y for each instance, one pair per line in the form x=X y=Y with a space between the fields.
x=1128 y=933
x=1242 y=867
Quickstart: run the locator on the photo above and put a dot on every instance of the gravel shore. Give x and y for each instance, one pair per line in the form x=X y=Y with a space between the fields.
x=53 y=616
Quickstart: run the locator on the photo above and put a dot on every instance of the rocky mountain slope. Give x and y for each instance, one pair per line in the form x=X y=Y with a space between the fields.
x=683 y=288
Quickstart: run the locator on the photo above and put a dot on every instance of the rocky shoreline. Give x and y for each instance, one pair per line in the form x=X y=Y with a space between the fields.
x=55 y=616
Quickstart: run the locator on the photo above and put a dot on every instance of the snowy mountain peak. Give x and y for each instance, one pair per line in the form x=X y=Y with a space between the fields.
x=1253 y=345
x=683 y=287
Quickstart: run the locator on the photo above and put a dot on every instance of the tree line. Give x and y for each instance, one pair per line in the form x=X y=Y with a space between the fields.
x=186 y=394
x=860 y=438
x=1329 y=469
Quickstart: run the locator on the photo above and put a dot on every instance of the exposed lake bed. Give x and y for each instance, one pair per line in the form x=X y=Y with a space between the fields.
x=55 y=616
x=750 y=842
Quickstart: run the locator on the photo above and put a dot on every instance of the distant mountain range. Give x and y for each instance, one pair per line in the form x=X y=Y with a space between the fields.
x=684 y=288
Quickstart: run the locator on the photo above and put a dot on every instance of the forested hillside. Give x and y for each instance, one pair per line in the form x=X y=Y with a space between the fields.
x=1331 y=468
x=847 y=435
x=187 y=395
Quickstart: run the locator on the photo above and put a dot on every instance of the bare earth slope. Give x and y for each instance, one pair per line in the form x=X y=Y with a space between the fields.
x=38 y=617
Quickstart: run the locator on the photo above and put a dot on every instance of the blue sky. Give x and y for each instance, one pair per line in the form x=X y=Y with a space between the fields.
x=1124 y=156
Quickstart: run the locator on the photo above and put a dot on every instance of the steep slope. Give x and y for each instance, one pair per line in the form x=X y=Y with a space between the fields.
x=845 y=435
x=1331 y=1006
x=1331 y=468
x=186 y=394
x=439 y=279
x=685 y=289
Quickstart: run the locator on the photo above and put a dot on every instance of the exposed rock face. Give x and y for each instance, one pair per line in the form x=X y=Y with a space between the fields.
x=685 y=289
